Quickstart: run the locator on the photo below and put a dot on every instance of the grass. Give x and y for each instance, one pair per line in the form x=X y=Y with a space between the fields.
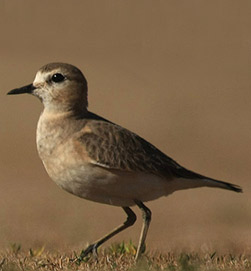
x=119 y=257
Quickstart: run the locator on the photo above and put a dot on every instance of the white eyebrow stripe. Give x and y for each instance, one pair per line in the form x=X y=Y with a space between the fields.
x=40 y=77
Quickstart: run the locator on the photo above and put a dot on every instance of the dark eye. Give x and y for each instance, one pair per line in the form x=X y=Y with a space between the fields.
x=57 y=77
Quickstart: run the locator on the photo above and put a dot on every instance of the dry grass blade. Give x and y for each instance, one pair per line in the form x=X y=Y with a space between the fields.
x=120 y=257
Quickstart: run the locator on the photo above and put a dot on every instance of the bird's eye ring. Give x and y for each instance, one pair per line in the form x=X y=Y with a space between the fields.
x=57 y=77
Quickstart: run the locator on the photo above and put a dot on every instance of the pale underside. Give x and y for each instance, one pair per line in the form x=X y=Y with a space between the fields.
x=103 y=162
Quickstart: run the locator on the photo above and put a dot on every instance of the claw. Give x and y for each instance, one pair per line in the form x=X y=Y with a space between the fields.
x=84 y=253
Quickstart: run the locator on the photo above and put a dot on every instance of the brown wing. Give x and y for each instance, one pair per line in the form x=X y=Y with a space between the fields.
x=112 y=146
x=109 y=145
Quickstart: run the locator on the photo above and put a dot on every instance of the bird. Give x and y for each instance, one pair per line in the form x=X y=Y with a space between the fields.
x=98 y=160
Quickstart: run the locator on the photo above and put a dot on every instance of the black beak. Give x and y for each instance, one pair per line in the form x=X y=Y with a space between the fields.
x=25 y=89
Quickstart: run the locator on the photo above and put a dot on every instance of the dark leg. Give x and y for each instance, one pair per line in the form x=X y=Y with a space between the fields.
x=131 y=218
x=146 y=213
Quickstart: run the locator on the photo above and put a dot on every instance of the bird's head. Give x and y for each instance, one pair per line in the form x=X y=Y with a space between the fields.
x=61 y=87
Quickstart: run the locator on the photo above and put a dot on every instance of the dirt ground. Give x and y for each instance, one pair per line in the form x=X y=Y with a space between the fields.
x=175 y=72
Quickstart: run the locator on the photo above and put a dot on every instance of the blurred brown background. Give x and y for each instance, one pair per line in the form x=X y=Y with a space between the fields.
x=175 y=72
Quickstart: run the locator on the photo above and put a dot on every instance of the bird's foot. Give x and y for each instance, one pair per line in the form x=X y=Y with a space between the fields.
x=84 y=253
x=140 y=251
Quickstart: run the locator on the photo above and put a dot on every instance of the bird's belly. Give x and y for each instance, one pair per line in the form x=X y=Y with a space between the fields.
x=108 y=186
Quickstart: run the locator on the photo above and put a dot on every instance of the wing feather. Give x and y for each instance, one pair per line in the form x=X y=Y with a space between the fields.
x=112 y=146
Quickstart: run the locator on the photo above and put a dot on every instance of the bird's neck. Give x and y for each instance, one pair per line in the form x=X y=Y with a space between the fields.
x=54 y=128
x=65 y=107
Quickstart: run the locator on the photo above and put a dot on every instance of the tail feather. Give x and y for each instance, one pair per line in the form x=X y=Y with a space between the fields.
x=199 y=180
x=224 y=185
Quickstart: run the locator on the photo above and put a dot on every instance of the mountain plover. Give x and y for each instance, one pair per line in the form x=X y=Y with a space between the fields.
x=98 y=160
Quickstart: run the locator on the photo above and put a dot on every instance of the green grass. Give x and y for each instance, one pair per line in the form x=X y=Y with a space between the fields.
x=118 y=257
